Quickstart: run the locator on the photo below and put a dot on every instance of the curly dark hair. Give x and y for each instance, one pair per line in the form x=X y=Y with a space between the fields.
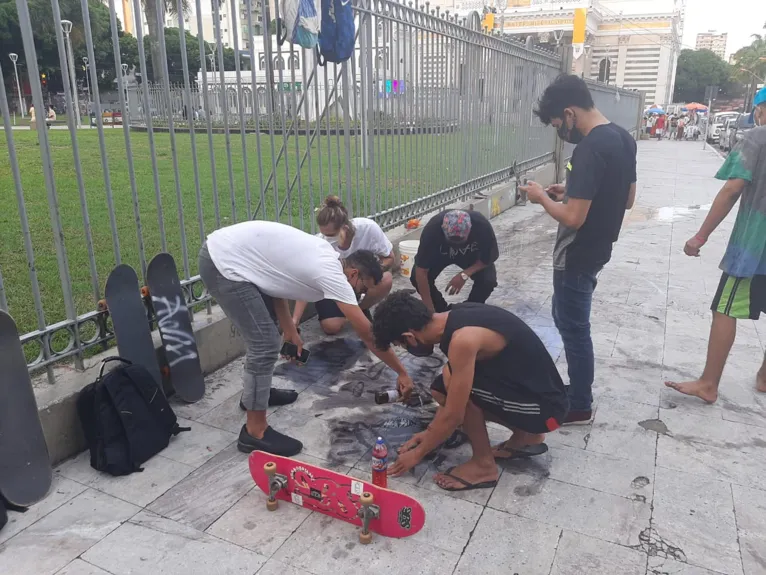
x=400 y=312
x=566 y=91
x=367 y=263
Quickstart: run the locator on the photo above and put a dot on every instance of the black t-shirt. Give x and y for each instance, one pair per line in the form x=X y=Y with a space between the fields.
x=602 y=168
x=435 y=252
x=523 y=364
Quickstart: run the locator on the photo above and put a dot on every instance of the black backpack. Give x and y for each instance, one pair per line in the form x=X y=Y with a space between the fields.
x=126 y=418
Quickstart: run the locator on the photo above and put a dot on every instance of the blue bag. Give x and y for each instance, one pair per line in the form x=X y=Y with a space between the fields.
x=336 y=39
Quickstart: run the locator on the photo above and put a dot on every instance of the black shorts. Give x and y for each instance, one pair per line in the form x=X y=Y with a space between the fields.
x=513 y=406
x=328 y=309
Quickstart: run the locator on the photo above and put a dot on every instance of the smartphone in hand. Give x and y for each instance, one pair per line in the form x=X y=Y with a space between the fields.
x=291 y=350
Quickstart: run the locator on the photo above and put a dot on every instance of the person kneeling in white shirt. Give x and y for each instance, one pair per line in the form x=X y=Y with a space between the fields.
x=252 y=269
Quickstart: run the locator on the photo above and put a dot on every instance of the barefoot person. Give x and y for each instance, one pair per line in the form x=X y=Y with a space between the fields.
x=600 y=186
x=741 y=292
x=252 y=269
x=348 y=236
x=461 y=238
x=498 y=370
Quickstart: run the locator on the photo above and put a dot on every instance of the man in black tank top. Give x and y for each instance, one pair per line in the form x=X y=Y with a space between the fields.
x=498 y=370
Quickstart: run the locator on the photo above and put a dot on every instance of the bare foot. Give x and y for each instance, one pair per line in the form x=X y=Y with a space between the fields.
x=473 y=471
x=705 y=390
x=760 y=381
x=518 y=440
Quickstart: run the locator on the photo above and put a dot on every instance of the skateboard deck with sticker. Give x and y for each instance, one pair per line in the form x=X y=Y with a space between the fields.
x=131 y=326
x=173 y=320
x=390 y=513
x=25 y=467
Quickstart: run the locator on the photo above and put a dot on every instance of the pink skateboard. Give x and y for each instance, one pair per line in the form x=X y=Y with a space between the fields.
x=384 y=511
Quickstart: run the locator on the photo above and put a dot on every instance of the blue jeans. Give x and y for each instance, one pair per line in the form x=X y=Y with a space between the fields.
x=572 y=298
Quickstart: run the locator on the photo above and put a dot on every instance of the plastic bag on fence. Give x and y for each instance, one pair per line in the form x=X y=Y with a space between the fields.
x=300 y=22
x=336 y=41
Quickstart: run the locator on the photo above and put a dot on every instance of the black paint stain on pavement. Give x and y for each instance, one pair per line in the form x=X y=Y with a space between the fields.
x=639 y=482
x=656 y=425
x=327 y=357
x=655 y=546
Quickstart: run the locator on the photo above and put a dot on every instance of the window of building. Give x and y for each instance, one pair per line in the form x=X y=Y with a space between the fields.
x=293 y=63
x=604 y=68
x=261 y=61
x=279 y=63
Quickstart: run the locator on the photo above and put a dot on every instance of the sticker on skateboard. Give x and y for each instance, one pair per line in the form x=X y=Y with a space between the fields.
x=374 y=509
x=174 y=323
x=131 y=327
x=25 y=467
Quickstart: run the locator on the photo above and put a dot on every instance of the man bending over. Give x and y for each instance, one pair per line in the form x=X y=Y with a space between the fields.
x=498 y=370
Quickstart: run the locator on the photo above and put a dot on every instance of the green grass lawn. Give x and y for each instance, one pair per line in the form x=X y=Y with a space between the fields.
x=406 y=168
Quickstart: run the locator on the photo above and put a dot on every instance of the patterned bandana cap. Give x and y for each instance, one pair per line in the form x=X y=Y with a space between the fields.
x=456 y=225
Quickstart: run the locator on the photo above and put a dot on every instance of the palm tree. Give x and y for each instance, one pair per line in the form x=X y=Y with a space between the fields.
x=151 y=8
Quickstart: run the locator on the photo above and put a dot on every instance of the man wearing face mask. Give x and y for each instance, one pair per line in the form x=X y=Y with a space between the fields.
x=498 y=370
x=741 y=292
x=252 y=269
x=600 y=186
x=461 y=238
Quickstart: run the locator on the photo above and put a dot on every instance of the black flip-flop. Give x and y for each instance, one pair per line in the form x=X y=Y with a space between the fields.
x=467 y=486
x=523 y=452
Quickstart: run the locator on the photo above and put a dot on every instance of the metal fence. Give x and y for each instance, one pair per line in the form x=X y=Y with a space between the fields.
x=428 y=111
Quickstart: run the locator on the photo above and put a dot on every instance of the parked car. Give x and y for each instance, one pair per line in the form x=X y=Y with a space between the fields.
x=739 y=128
x=725 y=135
x=714 y=127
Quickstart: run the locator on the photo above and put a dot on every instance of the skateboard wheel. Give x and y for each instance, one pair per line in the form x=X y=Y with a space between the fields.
x=366 y=498
x=270 y=468
x=272 y=505
x=365 y=538
x=145 y=291
x=102 y=305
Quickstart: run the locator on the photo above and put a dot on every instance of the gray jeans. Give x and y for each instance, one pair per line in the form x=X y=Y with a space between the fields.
x=252 y=314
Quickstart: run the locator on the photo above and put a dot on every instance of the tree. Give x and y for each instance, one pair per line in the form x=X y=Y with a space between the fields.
x=698 y=69
x=151 y=8
x=751 y=59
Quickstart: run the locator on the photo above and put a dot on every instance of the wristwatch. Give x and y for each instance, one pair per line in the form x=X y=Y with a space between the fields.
x=465 y=276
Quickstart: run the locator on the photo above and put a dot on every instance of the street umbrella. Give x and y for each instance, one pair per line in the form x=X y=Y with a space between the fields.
x=656 y=111
x=695 y=106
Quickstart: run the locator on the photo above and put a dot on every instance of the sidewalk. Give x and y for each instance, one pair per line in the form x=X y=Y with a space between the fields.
x=658 y=484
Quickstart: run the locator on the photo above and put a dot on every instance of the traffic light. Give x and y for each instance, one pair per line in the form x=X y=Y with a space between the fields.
x=44 y=80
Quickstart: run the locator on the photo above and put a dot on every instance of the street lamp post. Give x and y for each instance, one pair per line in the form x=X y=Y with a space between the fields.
x=87 y=81
x=66 y=27
x=14 y=57
x=215 y=93
x=125 y=84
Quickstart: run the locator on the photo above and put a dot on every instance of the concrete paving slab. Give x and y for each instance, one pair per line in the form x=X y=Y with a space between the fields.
x=617 y=430
x=694 y=520
x=504 y=543
x=209 y=492
x=661 y=566
x=80 y=567
x=274 y=567
x=170 y=549
x=60 y=537
x=197 y=446
x=323 y=545
x=579 y=555
x=159 y=475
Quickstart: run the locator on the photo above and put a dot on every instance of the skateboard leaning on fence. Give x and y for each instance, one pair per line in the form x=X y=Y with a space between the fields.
x=374 y=509
x=131 y=326
x=174 y=323
x=25 y=467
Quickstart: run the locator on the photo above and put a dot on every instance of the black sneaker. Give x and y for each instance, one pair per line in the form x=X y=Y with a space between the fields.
x=272 y=442
x=277 y=397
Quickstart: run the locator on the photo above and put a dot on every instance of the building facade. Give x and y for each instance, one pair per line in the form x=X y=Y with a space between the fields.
x=631 y=43
x=712 y=41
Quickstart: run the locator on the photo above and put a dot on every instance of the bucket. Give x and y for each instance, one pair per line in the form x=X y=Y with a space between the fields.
x=407 y=251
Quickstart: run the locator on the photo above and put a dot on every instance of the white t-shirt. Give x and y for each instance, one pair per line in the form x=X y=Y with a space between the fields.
x=281 y=260
x=368 y=236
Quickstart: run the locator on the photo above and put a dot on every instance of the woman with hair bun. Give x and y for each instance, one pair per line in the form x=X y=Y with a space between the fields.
x=348 y=236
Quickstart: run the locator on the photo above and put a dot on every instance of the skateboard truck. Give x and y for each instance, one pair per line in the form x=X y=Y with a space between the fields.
x=277 y=483
x=367 y=512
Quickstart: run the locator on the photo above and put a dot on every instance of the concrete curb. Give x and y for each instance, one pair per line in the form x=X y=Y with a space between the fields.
x=217 y=340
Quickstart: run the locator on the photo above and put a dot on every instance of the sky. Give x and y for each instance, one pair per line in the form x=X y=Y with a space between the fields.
x=739 y=18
